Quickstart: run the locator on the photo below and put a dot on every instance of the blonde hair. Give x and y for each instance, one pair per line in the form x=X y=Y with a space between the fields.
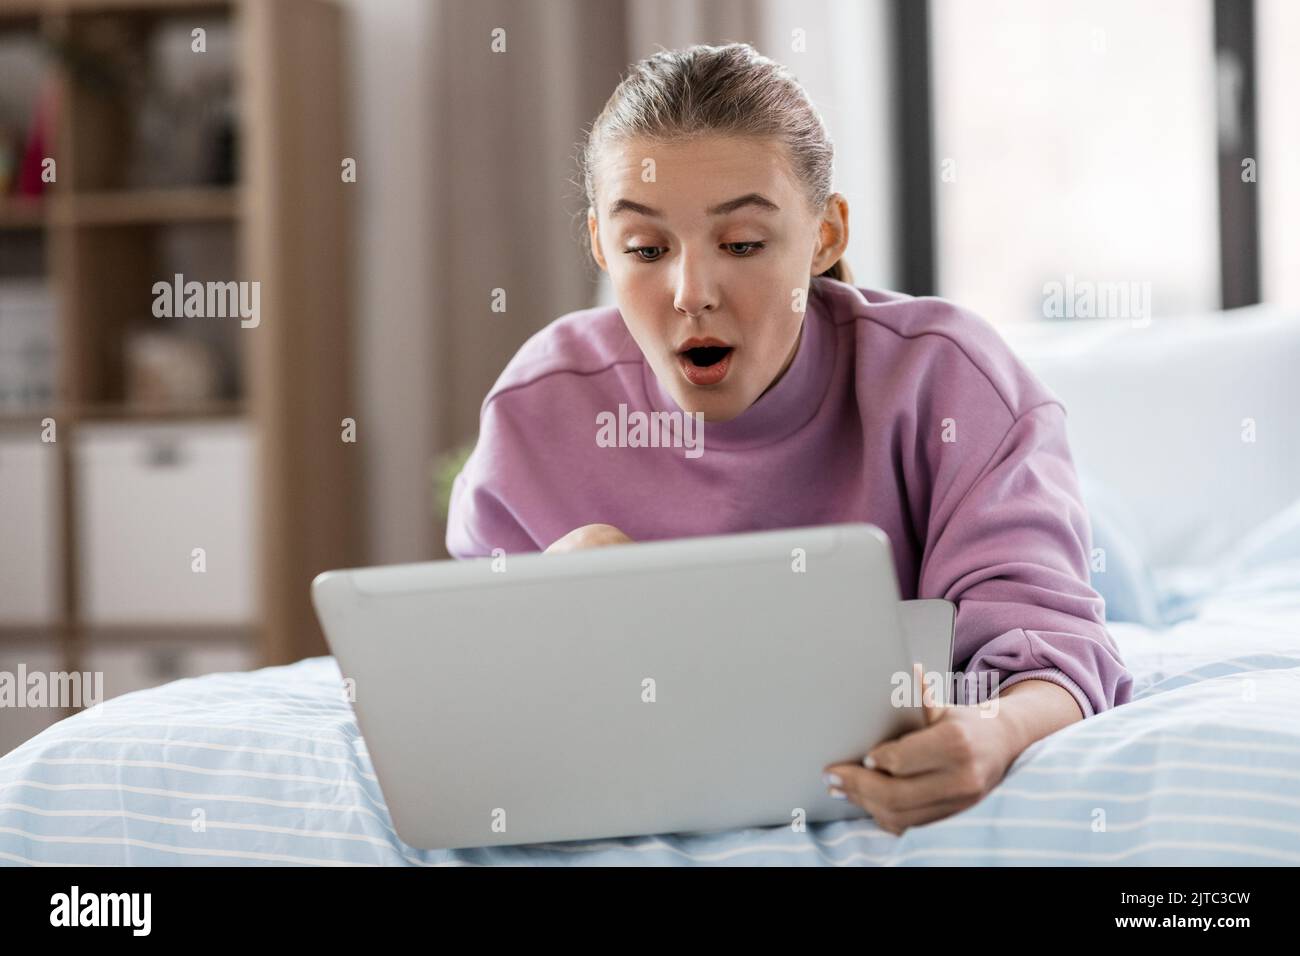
x=728 y=90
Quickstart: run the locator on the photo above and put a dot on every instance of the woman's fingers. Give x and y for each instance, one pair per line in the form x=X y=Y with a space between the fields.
x=872 y=789
x=899 y=803
x=588 y=536
x=931 y=707
x=916 y=752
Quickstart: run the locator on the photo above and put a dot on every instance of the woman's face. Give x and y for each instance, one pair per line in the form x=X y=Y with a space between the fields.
x=710 y=246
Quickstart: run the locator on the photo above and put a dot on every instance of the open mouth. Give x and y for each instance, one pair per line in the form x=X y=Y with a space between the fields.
x=707 y=355
x=705 y=361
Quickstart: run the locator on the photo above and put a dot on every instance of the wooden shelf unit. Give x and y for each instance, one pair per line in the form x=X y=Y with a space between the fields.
x=289 y=219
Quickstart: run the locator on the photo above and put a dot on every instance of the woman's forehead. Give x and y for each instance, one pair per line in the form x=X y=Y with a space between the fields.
x=679 y=176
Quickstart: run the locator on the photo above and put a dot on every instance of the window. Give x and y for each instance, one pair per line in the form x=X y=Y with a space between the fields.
x=1074 y=145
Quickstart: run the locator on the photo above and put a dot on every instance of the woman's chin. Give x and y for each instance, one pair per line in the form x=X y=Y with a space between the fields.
x=715 y=407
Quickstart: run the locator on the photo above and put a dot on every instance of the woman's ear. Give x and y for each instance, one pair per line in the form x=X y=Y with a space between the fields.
x=596 y=252
x=832 y=233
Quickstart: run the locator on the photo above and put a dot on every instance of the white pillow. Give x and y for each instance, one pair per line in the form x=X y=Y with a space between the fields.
x=1191 y=423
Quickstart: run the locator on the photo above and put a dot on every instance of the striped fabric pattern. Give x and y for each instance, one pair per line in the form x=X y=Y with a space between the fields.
x=1202 y=767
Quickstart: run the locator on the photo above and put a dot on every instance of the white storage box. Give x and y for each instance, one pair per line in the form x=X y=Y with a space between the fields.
x=30 y=571
x=148 y=496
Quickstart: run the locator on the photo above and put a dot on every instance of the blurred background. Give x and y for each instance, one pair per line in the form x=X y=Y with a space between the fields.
x=374 y=169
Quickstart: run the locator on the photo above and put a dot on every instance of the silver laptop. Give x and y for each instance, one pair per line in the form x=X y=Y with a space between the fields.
x=658 y=687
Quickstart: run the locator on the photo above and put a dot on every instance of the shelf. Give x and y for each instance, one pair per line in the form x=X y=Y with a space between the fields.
x=124 y=207
x=22 y=213
x=152 y=632
x=25 y=633
x=161 y=633
x=145 y=206
x=13 y=417
x=100 y=244
x=18 y=12
x=124 y=411
x=33 y=8
x=110 y=6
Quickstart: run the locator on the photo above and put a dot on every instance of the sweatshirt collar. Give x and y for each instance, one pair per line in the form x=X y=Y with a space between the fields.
x=784 y=408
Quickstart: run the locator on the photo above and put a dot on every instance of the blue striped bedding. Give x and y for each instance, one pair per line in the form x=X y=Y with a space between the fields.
x=1203 y=767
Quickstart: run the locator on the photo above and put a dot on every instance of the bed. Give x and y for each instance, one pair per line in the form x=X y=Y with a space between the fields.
x=1202 y=767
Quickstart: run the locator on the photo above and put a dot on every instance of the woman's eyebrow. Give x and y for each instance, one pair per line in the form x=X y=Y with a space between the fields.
x=731 y=205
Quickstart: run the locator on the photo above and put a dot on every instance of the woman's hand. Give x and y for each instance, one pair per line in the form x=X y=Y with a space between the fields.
x=588 y=536
x=948 y=765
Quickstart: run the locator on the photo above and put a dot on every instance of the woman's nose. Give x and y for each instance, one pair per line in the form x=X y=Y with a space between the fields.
x=695 y=291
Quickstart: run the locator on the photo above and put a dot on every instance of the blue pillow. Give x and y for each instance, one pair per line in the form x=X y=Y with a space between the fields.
x=1126 y=584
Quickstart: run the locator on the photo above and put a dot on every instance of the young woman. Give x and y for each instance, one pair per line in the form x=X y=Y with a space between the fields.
x=708 y=177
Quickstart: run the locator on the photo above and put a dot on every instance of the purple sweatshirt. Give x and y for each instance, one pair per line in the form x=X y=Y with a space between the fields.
x=911 y=414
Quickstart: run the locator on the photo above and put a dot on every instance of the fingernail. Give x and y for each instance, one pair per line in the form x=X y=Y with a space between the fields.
x=832 y=779
x=838 y=794
x=869 y=762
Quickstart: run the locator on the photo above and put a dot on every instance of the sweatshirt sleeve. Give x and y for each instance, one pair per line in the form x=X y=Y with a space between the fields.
x=1012 y=553
x=483 y=514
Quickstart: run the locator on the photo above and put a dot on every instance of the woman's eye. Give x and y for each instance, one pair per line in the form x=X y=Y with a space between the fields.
x=741 y=250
